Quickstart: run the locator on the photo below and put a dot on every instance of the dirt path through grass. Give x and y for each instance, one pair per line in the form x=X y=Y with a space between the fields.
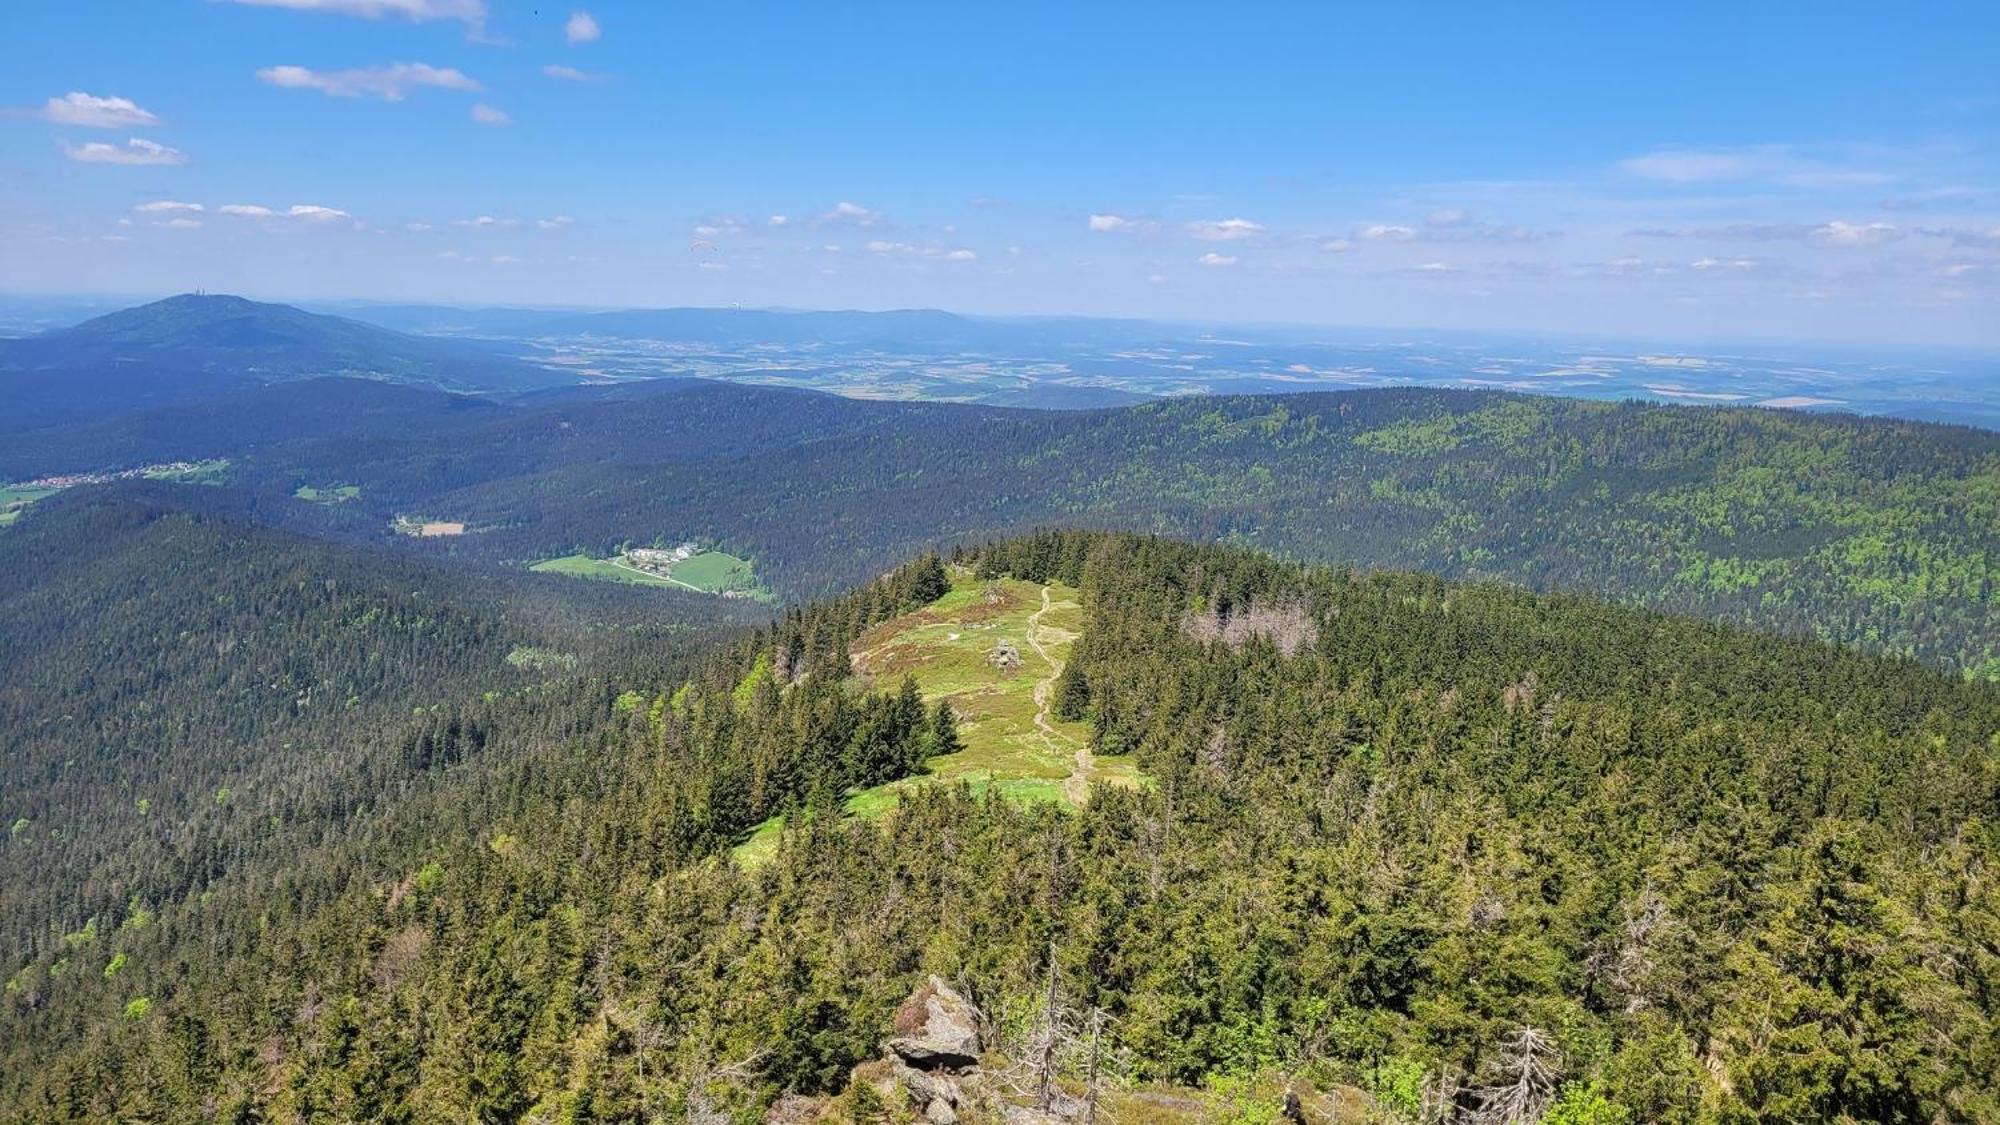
x=1077 y=785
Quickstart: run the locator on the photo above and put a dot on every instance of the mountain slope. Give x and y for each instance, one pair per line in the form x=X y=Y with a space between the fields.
x=236 y=424
x=1867 y=531
x=197 y=346
x=1394 y=825
x=173 y=675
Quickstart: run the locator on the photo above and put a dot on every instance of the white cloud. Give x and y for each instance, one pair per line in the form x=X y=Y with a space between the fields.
x=92 y=112
x=1838 y=233
x=906 y=250
x=1214 y=259
x=303 y=212
x=1111 y=223
x=417 y=228
x=1688 y=167
x=390 y=83
x=1386 y=232
x=1224 y=230
x=182 y=223
x=503 y=259
x=1438 y=267
x=485 y=221
x=162 y=206
x=1710 y=265
x=850 y=214
x=778 y=220
x=581 y=28
x=469 y=11
x=1448 y=217
x=1336 y=245
x=485 y=114
x=555 y=222
x=570 y=74
x=137 y=151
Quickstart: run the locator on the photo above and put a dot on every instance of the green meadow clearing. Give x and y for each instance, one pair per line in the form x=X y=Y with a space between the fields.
x=1006 y=715
x=15 y=498
x=710 y=572
x=603 y=570
x=332 y=494
x=715 y=572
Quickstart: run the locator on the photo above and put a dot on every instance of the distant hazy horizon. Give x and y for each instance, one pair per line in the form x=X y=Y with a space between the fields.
x=1707 y=172
x=62 y=308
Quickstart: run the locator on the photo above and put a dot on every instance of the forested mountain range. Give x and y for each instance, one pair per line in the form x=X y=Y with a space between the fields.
x=198 y=346
x=1866 y=531
x=182 y=687
x=1393 y=829
x=322 y=805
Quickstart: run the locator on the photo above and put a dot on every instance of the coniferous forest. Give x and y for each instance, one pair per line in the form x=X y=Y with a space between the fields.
x=1402 y=838
x=637 y=563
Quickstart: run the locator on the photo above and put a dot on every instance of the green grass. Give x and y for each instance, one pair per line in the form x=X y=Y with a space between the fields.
x=334 y=494
x=948 y=648
x=715 y=572
x=15 y=499
x=583 y=566
x=710 y=572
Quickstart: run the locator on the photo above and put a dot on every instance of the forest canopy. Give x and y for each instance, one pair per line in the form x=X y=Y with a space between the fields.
x=1399 y=830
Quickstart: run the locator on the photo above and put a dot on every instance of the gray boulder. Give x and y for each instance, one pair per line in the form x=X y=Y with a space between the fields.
x=936 y=1028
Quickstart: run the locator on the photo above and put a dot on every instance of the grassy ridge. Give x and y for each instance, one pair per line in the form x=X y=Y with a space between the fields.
x=1012 y=737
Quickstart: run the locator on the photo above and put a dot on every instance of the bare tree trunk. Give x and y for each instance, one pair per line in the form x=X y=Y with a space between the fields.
x=1090 y=1072
x=1046 y=1064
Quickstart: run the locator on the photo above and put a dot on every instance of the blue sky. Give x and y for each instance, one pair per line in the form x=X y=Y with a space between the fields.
x=1695 y=170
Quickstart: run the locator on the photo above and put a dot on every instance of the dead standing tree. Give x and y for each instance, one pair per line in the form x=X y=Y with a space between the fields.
x=1529 y=1070
x=1065 y=1043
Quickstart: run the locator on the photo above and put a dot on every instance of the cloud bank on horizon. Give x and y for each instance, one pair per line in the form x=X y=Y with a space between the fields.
x=1700 y=173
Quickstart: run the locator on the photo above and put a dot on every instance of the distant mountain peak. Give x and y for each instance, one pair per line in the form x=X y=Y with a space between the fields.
x=200 y=345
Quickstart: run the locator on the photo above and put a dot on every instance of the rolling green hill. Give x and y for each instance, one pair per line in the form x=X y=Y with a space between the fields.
x=1393 y=826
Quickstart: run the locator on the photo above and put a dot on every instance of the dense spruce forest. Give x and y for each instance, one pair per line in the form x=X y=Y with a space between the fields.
x=181 y=688
x=1872 y=532
x=1431 y=845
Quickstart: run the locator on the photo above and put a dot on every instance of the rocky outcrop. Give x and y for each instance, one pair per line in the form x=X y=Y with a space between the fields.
x=936 y=1041
x=933 y=1056
x=936 y=1028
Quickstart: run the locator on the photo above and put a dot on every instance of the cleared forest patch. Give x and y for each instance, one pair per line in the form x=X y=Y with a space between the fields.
x=992 y=649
